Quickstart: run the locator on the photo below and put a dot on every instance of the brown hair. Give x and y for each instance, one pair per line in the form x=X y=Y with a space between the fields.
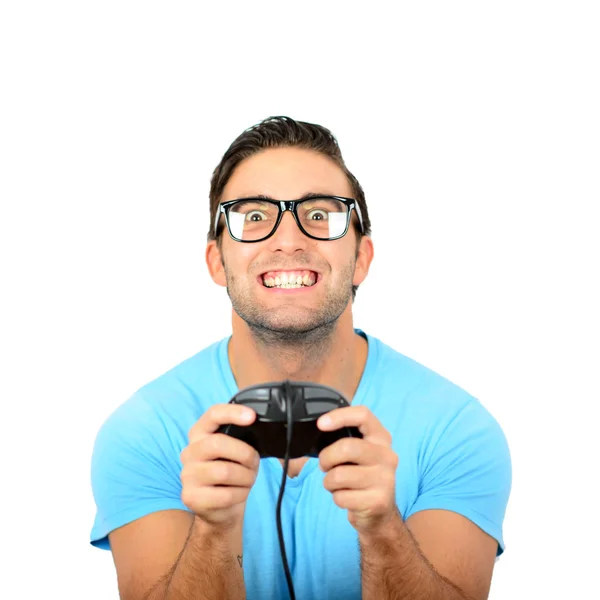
x=278 y=132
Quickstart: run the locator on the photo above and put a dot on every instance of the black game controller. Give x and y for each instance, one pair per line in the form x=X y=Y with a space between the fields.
x=268 y=433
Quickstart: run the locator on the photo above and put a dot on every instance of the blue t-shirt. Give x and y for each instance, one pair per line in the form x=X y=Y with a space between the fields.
x=452 y=453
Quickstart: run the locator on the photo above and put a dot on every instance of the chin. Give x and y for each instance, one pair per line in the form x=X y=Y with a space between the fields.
x=289 y=327
x=295 y=327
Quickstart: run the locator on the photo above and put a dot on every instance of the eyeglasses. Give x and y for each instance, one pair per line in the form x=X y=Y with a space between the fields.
x=318 y=217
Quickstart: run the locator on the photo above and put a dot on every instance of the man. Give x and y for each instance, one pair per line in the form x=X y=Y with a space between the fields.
x=418 y=515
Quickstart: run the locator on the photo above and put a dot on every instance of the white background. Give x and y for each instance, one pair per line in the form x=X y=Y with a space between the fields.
x=474 y=129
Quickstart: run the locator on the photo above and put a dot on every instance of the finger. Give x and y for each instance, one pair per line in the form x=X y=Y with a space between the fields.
x=370 y=502
x=210 y=498
x=352 y=477
x=217 y=473
x=221 y=414
x=358 y=452
x=218 y=446
x=356 y=416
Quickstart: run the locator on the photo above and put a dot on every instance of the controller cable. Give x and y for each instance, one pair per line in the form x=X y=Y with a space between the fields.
x=288 y=407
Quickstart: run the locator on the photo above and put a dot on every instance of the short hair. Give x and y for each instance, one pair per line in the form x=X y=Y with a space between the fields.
x=281 y=132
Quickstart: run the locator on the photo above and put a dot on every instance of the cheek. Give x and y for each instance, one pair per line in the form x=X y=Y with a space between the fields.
x=238 y=262
x=342 y=263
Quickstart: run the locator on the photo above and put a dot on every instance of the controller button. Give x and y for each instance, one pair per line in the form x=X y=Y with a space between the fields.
x=318 y=407
x=253 y=394
x=260 y=408
x=320 y=393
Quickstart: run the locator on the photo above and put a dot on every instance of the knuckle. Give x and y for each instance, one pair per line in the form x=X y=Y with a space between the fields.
x=347 y=446
x=338 y=498
x=213 y=412
x=391 y=480
x=330 y=479
x=344 y=474
x=221 y=471
x=212 y=416
x=184 y=454
x=253 y=462
x=353 y=447
x=228 y=495
x=216 y=443
x=185 y=474
x=192 y=453
x=187 y=496
x=194 y=430
x=380 y=502
x=188 y=471
x=190 y=477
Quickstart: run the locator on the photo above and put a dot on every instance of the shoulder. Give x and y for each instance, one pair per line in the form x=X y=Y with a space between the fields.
x=136 y=461
x=407 y=381
x=197 y=381
x=162 y=411
x=453 y=452
x=413 y=397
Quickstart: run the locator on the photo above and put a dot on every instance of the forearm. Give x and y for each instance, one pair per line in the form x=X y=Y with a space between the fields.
x=210 y=566
x=393 y=567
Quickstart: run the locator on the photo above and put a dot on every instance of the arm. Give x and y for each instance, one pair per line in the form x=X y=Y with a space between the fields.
x=437 y=552
x=400 y=557
x=172 y=552
x=191 y=561
x=210 y=566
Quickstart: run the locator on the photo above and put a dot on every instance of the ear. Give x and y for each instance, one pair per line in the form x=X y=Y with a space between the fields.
x=214 y=262
x=363 y=260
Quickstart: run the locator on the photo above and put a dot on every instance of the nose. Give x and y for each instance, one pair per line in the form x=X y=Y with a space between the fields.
x=287 y=236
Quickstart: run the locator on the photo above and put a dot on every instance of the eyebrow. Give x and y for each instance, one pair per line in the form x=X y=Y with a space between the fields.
x=307 y=196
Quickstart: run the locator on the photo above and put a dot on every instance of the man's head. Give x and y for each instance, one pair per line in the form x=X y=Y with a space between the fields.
x=282 y=159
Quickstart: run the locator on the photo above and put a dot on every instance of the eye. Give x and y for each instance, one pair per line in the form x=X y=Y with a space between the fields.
x=255 y=215
x=317 y=214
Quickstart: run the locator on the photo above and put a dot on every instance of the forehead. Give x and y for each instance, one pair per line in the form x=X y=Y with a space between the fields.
x=286 y=174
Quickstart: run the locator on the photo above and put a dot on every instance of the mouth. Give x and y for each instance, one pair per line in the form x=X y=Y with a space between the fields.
x=288 y=280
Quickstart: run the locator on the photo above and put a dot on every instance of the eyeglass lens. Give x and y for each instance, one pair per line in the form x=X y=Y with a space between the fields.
x=323 y=218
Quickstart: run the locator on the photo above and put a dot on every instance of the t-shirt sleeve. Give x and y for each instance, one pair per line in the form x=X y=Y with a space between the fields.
x=135 y=469
x=466 y=468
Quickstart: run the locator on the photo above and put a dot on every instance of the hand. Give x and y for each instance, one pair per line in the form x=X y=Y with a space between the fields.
x=367 y=487
x=213 y=488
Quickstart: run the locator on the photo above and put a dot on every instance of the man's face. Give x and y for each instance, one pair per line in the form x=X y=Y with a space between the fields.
x=287 y=174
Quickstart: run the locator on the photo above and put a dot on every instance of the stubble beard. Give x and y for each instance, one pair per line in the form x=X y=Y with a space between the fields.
x=308 y=330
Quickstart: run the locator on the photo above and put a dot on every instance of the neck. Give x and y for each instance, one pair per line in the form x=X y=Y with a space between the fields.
x=333 y=355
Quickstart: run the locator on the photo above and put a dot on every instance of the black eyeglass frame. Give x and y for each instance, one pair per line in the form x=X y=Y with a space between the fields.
x=292 y=206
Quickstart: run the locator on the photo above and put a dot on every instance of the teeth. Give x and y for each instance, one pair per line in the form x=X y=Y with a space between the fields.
x=290 y=280
x=283 y=286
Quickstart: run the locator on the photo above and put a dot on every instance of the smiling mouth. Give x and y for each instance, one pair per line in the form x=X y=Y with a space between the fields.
x=289 y=279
